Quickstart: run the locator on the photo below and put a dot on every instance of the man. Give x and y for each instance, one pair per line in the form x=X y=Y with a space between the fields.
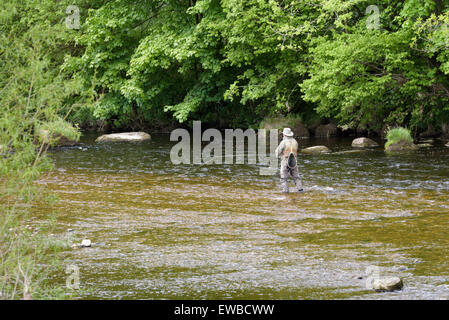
x=287 y=152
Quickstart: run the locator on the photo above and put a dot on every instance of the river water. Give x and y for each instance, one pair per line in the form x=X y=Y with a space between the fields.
x=165 y=231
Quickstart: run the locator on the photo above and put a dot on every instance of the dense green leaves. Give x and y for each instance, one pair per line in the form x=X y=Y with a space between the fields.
x=234 y=62
x=216 y=60
x=365 y=78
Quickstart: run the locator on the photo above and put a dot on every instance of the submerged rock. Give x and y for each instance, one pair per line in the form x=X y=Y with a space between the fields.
x=364 y=143
x=326 y=130
x=124 y=136
x=316 y=150
x=86 y=243
x=388 y=284
x=402 y=146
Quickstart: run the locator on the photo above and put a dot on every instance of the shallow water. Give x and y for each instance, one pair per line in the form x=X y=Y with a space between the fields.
x=162 y=231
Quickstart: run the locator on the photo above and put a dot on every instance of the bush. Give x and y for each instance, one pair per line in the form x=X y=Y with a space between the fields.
x=32 y=92
x=398 y=135
x=52 y=132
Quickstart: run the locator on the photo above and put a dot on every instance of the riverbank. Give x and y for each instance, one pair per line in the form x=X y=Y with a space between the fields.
x=312 y=127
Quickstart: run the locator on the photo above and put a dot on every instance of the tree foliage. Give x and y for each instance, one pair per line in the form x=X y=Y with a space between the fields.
x=235 y=61
x=32 y=93
x=391 y=75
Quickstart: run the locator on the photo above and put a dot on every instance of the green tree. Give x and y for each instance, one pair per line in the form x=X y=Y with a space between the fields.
x=366 y=77
x=221 y=61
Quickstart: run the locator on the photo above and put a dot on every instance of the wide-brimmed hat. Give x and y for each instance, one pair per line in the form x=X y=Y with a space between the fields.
x=287 y=132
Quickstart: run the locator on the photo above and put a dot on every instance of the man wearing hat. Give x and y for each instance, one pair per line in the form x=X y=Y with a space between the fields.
x=287 y=152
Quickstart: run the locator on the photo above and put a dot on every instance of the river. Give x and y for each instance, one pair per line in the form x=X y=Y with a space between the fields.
x=165 y=231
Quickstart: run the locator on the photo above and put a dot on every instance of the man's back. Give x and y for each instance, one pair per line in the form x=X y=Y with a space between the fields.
x=288 y=145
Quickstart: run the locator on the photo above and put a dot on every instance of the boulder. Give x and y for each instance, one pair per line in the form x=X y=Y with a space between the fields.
x=401 y=146
x=364 y=143
x=316 y=150
x=44 y=136
x=388 y=284
x=326 y=130
x=124 y=136
x=424 y=145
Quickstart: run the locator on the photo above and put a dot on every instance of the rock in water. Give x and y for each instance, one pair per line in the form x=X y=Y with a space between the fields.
x=447 y=144
x=316 y=150
x=402 y=146
x=388 y=284
x=364 y=143
x=86 y=243
x=124 y=136
x=43 y=135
